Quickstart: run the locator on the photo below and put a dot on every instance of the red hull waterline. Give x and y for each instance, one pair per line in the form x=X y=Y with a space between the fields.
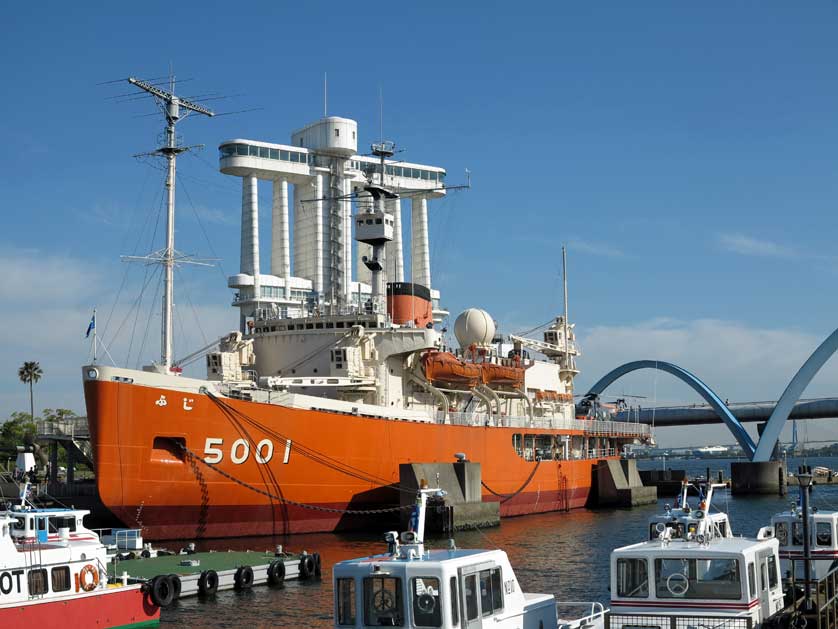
x=145 y=479
x=110 y=609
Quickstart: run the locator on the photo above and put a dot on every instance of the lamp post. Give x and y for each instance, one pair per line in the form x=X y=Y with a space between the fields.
x=804 y=479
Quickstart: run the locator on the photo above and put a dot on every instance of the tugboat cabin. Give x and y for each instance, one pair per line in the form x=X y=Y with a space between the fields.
x=788 y=529
x=688 y=522
x=722 y=577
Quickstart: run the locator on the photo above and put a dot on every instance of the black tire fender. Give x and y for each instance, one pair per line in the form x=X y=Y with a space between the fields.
x=307 y=567
x=208 y=583
x=161 y=591
x=276 y=572
x=243 y=579
x=176 y=586
x=318 y=568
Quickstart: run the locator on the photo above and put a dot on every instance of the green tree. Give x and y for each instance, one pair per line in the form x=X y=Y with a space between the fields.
x=29 y=373
x=16 y=431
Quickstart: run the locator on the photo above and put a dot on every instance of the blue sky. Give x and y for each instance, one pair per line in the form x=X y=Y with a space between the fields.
x=688 y=156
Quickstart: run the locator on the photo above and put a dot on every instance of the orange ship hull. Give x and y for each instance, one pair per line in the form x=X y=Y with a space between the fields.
x=325 y=460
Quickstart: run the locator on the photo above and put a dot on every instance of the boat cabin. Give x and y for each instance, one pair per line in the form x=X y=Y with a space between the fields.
x=788 y=529
x=412 y=587
x=717 y=577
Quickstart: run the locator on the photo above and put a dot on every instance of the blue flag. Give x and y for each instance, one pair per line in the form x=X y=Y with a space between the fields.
x=91 y=326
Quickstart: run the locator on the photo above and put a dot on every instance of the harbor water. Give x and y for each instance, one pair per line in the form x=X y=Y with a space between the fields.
x=565 y=554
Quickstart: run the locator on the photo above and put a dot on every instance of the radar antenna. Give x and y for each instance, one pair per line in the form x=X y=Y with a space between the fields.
x=171 y=106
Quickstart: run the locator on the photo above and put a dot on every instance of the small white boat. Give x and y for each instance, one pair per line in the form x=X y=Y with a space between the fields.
x=411 y=586
x=694 y=573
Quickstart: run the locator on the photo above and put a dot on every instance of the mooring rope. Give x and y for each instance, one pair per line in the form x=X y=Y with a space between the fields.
x=506 y=497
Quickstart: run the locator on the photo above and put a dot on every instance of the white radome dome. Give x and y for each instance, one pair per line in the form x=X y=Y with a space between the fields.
x=474 y=327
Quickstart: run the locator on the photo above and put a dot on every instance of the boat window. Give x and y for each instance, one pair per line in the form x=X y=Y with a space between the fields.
x=38 y=582
x=544 y=447
x=517 y=443
x=17 y=525
x=346 y=602
x=491 y=596
x=698 y=578
x=797 y=533
x=781 y=532
x=632 y=578
x=61 y=579
x=470 y=593
x=427 y=611
x=455 y=603
x=383 y=605
x=752 y=580
x=772 y=572
x=824 y=533
x=529 y=447
x=722 y=529
x=762 y=577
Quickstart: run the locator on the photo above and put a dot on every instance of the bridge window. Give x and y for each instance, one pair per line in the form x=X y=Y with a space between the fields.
x=383 y=603
x=470 y=592
x=346 y=602
x=491 y=595
x=716 y=578
x=427 y=611
x=632 y=578
x=824 y=533
x=797 y=534
x=61 y=579
x=781 y=532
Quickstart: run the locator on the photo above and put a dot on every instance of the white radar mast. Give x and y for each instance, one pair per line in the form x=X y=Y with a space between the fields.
x=171 y=106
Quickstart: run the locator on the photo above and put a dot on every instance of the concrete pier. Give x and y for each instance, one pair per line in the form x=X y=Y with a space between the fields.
x=462 y=507
x=768 y=477
x=618 y=484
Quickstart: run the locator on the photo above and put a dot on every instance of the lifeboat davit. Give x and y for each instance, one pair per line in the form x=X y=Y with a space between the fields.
x=447 y=368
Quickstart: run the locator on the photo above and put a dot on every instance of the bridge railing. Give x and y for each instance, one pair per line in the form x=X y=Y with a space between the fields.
x=72 y=427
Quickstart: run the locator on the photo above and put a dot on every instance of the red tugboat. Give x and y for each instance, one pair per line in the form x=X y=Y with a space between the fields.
x=53 y=574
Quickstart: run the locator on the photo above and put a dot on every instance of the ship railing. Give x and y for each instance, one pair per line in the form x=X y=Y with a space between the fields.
x=561 y=423
x=599 y=453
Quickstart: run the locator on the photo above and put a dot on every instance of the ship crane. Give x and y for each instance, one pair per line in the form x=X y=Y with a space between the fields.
x=171 y=106
x=548 y=349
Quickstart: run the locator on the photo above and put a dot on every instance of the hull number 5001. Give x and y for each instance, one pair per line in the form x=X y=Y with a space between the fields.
x=241 y=449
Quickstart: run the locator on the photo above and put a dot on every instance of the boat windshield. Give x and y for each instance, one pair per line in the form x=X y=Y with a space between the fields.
x=383 y=604
x=716 y=578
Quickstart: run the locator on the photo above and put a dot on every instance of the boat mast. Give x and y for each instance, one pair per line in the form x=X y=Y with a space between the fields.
x=564 y=282
x=170 y=105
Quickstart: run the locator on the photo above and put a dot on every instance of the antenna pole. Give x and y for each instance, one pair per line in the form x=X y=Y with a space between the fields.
x=171 y=106
x=94 y=336
x=566 y=328
x=325 y=96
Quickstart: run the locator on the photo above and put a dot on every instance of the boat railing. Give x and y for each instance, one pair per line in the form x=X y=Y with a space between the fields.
x=584 y=425
x=598 y=453
x=591 y=612
x=676 y=621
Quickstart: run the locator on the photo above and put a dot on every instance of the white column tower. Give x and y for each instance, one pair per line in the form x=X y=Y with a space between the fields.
x=420 y=254
x=395 y=254
x=280 y=240
x=250 y=231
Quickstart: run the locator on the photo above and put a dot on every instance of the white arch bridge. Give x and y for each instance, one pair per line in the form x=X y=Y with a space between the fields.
x=789 y=406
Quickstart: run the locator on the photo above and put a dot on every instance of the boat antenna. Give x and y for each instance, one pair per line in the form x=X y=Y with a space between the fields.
x=174 y=109
x=325 y=95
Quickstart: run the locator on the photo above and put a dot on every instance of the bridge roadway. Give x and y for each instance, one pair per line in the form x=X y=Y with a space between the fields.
x=696 y=414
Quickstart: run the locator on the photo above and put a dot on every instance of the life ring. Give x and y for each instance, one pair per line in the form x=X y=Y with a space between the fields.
x=208 y=583
x=89 y=578
x=176 y=585
x=276 y=572
x=243 y=579
x=307 y=567
x=162 y=591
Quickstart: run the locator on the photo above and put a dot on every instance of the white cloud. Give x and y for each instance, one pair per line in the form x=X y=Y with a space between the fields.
x=750 y=246
x=30 y=274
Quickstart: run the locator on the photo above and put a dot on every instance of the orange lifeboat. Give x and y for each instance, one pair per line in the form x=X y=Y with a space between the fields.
x=505 y=375
x=447 y=368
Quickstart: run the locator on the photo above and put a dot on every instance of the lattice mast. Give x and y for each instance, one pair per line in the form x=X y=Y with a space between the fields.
x=171 y=106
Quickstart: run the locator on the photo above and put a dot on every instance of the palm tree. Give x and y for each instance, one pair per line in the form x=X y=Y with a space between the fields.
x=30 y=372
